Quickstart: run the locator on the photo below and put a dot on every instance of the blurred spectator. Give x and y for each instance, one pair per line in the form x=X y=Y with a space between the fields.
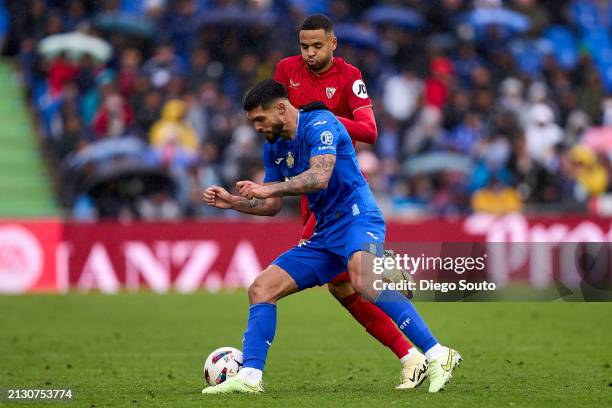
x=542 y=134
x=128 y=71
x=426 y=134
x=469 y=132
x=158 y=206
x=114 y=117
x=61 y=71
x=538 y=15
x=171 y=131
x=148 y=112
x=591 y=176
x=590 y=96
x=402 y=94
x=496 y=199
x=163 y=66
x=439 y=83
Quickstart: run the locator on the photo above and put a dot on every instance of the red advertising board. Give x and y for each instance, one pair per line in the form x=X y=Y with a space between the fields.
x=27 y=255
x=55 y=256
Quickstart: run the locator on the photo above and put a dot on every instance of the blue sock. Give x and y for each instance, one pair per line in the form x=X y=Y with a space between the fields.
x=403 y=313
x=259 y=334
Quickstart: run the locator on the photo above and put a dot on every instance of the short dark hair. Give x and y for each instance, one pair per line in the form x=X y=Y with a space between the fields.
x=263 y=94
x=317 y=22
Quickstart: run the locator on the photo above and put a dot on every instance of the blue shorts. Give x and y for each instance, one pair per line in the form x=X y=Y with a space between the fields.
x=326 y=254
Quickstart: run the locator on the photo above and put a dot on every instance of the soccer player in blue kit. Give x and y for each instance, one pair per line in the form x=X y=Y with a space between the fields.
x=309 y=151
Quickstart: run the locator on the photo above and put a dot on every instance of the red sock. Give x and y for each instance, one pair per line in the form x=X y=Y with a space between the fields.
x=377 y=323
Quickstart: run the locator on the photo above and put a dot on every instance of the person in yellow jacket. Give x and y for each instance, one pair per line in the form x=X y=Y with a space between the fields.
x=496 y=199
x=591 y=176
x=171 y=128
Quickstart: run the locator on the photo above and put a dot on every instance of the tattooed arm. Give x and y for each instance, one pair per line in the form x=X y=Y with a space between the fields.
x=314 y=179
x=219 y=197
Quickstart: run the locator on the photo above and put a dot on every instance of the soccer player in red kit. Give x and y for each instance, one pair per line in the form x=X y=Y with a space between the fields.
x=316 y=75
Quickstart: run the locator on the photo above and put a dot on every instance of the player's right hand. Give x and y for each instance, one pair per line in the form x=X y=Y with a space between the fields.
x=216 y=196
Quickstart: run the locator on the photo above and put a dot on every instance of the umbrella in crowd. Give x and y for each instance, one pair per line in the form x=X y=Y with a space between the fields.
x=104 y=151
x=75 y=44
x=481 y=18
x=395 y=15
x=436 y=163
x=125 y=23
x=598 y=139
x=237 y=17
x=129 y=180
x=356 y=35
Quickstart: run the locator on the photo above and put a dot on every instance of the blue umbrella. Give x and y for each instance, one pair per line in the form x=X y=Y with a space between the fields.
x=510 y=20
x=234 y=16
x=437 y=162
x=126 y=23
x=395 y=15
x=357 y=35
x=104 y=151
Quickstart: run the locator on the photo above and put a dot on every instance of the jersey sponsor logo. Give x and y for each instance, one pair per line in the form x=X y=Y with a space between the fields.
x=321 y=122
x=329 y=91
x=293 y=84
x=359 y=89
x=290 y=160
x=279 y=160
x=327 y=138
x=404 y=324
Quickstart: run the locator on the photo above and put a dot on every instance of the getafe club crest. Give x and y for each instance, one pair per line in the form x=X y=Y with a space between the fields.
x=330 y=92
x=290 y=160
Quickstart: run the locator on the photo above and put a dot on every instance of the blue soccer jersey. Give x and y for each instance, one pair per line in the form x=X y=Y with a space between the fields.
x=320 y=132
x=348 y=219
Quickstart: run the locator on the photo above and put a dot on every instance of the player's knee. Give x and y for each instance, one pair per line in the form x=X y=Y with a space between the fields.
x=355 y=273
x=340 y=290
x=260 y=292
x=356 y=283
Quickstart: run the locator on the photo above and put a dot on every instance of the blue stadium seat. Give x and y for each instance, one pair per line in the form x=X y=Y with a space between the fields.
x=4 y=22
x=528 y=56
x=583 y=15
x=596 y=39
x=606 y=76
x=564 y=46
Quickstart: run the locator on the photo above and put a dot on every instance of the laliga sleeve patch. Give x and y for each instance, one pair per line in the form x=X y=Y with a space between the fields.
x=359 y=89
x=327 y=138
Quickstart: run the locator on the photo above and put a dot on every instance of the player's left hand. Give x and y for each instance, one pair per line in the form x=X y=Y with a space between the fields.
x=250 y=190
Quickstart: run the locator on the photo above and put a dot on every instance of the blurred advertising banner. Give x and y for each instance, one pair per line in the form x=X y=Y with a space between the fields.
x=27 y=255
x=57 y=256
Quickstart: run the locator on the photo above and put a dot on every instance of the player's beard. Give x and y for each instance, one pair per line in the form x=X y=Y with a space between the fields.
x=319 y=64
x=277 y=129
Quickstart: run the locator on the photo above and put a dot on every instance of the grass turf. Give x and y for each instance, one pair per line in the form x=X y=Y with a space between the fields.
x=147 y=350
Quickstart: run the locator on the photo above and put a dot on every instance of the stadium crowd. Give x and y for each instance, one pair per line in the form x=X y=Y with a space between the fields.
x=483 y=105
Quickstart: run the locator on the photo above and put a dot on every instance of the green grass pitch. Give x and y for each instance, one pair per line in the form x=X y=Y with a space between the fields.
x=146 y=350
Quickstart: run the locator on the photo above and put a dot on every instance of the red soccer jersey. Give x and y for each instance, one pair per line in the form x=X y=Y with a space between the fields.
x=340 y=88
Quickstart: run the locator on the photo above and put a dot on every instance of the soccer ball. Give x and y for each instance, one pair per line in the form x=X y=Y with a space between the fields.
x=221 y=364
